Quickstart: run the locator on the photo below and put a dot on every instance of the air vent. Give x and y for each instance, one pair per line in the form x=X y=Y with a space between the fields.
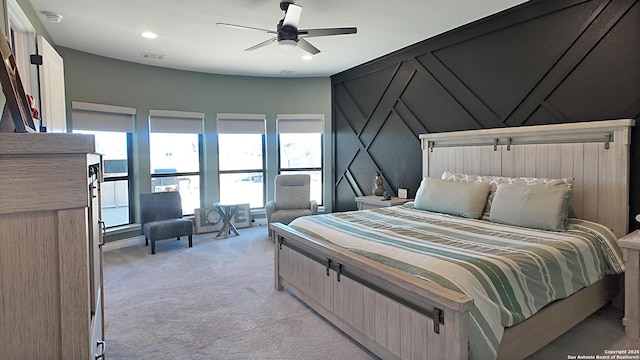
x=151 y=56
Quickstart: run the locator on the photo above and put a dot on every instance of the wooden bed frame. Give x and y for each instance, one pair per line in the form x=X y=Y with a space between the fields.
x=399 y=316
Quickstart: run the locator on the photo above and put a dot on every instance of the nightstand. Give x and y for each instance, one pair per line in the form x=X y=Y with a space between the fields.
x=372 y=202
x=630 y=245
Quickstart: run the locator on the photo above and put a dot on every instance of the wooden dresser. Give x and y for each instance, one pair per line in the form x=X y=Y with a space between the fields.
x=51 y=299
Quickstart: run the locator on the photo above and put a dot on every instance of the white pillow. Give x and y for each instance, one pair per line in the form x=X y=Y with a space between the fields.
x=449 y=197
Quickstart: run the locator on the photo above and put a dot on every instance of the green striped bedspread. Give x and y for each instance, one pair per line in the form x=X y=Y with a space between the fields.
x=510 y=272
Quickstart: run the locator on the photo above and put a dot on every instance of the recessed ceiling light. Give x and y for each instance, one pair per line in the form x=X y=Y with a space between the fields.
x=53 y=17
x=307 y=57
x=149 y=35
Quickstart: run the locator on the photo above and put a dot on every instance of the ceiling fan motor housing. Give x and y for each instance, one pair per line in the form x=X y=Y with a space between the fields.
x=287 y=33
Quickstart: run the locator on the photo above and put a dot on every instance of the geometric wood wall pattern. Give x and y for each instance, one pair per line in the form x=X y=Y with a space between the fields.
x=542 y=62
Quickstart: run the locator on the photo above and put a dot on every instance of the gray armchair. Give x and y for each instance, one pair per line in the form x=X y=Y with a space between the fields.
x=161 y=218
x=292 y=199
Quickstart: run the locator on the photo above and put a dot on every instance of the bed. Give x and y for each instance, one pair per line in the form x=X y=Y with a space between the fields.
x=400 y=315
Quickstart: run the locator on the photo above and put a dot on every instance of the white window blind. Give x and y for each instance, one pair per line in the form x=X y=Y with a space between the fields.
x=100 y=117
x=176 y=122
x=299 y=123
x=241 y=123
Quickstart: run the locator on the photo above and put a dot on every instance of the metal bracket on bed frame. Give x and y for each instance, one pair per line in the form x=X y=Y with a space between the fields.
x=438 y=318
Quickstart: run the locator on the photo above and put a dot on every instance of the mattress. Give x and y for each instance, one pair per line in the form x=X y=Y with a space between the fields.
x=511 y=272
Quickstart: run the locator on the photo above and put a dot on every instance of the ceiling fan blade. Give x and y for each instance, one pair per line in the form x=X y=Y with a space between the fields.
x=327 y=32
x=246 y=28
x=264 y=43
x=292 y=16
x=306 y=46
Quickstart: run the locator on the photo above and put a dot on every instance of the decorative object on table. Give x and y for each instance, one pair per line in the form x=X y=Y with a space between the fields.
x=242 y=216
x=403 y=193
x=35 y=114
x=386 y=195
x=378 y=189
x=208 y=219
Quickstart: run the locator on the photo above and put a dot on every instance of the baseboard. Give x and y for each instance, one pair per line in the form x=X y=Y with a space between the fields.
x=119 y=244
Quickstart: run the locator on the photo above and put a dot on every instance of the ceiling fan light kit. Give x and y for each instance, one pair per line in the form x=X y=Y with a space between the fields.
x=288 y=35
x=288 y=44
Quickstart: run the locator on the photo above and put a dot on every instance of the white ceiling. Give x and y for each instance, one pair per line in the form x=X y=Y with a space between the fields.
x=189 y=38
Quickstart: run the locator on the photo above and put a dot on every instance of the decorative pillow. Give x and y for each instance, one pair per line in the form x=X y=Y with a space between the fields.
x=449 y=197
x=494 y=181
x=533 y=206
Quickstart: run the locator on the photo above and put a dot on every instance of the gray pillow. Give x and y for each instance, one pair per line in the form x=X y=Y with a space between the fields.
x=449 y=197
x=532 y=206
x=494 y=181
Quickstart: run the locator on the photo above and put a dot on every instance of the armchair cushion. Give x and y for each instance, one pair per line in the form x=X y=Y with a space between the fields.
x=165 y=229
x=292 y=192
x=287 y=216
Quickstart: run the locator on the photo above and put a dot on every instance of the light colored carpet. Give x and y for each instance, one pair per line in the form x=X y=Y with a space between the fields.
x=217 y=301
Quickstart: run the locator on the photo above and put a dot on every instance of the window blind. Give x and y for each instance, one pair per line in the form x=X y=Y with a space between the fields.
x=241 y=123
x=100 y=117
x=299 y=123
x=176 y=122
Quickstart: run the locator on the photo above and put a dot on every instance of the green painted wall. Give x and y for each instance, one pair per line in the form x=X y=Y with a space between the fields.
x=98 y=79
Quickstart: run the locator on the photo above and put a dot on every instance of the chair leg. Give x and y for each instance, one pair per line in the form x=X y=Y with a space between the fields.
x=153 y=246
x=190 y=240
x=146 y=241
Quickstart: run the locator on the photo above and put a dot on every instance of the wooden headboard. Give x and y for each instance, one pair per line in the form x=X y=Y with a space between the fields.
x=595 y=154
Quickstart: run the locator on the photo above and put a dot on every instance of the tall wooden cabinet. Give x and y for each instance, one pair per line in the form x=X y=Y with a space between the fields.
x=51 y=292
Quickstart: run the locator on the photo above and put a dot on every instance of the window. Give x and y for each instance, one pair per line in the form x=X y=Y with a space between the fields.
x=241 y=159
x=115 y=189
x=112 y=127
x=174 y=149
x=300 y=146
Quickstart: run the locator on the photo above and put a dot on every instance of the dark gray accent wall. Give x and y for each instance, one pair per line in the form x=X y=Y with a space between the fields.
x=543 y=62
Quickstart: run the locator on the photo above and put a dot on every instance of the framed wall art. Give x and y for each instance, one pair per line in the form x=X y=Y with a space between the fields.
x=16 y=104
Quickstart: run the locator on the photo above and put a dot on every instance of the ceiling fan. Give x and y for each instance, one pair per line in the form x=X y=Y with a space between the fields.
x=288 y=35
